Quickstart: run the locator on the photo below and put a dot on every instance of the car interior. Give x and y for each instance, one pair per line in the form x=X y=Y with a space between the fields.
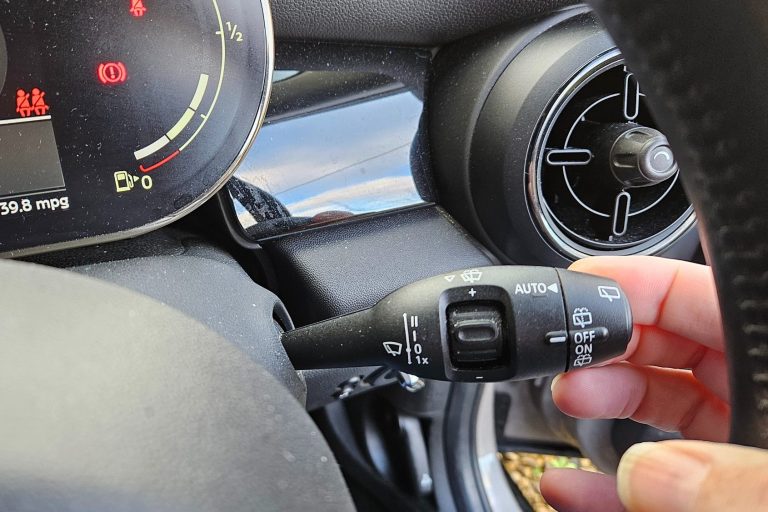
x=312 y=254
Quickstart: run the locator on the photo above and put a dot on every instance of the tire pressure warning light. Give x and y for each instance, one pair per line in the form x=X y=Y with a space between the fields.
x=112 y=73
x=137 y=8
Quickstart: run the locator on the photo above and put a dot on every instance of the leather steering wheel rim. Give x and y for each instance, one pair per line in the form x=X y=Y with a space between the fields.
x=702 y=66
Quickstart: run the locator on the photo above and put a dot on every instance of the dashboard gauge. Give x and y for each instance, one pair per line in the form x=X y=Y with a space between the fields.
x=119 y=116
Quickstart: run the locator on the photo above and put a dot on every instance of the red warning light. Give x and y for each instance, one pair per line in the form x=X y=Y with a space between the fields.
x=31 y=104
x=137 y=8
x=112 y=73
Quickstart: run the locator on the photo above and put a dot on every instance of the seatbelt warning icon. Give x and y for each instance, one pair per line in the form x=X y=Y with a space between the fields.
x=137 y=8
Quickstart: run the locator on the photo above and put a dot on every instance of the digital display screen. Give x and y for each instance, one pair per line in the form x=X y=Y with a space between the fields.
x=29 y=160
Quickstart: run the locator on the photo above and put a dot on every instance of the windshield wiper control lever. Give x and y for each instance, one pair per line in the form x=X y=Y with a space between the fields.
x=478 y=325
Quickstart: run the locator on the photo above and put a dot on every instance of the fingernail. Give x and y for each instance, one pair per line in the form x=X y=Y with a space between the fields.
x=657 y=476
x=555 y=381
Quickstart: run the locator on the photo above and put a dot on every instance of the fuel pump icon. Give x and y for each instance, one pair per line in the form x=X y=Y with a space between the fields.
x=124 y=182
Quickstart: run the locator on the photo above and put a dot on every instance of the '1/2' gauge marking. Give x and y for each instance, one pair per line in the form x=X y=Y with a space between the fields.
x=188 y=115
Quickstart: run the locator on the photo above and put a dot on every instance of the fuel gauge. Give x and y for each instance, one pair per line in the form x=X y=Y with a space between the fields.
x=118 y=116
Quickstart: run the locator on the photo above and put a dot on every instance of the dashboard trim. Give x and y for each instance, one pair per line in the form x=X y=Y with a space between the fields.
x=194 y=205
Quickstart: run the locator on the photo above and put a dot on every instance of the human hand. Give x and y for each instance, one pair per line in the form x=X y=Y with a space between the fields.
x=673 y=377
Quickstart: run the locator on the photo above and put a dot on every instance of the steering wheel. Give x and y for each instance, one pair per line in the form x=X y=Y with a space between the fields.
x=708 y=93
x=113 y=401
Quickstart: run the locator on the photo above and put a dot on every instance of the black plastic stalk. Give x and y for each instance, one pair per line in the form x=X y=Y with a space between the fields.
x=477 y=325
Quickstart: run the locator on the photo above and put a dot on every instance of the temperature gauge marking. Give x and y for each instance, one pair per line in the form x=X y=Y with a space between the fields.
x=182 y=123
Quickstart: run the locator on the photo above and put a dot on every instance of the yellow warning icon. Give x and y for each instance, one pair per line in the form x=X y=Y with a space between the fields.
x=125 y=181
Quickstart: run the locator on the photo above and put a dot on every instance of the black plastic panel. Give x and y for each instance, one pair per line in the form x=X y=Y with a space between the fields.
x=340 y=269
x=411 y=22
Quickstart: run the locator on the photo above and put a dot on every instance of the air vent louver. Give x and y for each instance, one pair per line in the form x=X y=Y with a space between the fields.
x=590 y=193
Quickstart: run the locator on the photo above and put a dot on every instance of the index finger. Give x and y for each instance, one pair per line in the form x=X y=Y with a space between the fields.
x=676 y=296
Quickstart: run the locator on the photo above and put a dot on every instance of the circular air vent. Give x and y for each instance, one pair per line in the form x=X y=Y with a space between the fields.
x=603 y=178
x=544 y=148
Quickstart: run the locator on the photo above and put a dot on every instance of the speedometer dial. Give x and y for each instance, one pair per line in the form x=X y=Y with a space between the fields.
x=118 y=116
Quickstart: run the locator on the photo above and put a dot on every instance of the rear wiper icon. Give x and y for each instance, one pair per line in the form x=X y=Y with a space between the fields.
x=393 y=348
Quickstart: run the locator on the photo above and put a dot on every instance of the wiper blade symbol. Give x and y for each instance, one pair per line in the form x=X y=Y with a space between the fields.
x=393 y=348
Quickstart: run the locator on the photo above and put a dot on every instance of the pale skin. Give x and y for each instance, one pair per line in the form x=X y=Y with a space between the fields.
x=673 y=377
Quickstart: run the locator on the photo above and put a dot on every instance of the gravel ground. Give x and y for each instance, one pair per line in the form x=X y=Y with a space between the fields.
x=525 y=469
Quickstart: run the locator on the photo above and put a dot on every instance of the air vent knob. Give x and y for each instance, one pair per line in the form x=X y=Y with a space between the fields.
x=641 y=157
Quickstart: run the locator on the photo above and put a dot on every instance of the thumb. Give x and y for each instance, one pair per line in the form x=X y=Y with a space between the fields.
x=687 y=476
